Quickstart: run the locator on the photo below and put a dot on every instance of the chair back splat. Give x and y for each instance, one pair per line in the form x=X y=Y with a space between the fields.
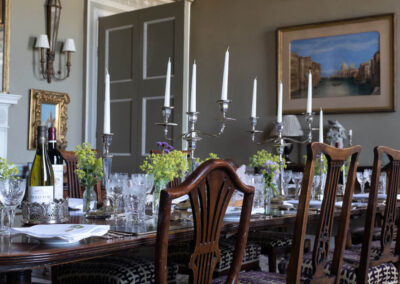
x=210 y=188
x=336 y=159
x=388 y=225
x=74 y=187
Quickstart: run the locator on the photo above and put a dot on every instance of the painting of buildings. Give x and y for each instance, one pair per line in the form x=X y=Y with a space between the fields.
x=344 y=65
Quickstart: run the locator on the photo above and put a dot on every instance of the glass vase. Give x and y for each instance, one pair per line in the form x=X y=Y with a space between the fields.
x=267 y=199
x=89 y=199
x=158 y=186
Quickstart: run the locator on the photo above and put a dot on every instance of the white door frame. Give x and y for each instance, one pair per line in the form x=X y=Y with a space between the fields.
x=101 y=8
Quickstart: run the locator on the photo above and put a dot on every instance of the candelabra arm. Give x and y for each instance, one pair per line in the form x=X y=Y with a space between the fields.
x=223 y=119
x=166 y=113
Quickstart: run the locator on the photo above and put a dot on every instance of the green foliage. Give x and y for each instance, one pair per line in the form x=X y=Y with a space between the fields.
x=166 y=167
x=7 y=170
x=209 y=157
x=268 y=165
x=320 y=168
x=88 y=169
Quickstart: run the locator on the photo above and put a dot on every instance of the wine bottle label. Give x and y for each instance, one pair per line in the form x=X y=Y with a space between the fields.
x=41 y=194
x=58 y=181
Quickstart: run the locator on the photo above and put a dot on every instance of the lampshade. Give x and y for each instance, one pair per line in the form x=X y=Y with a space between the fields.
x=42 y=42
x=291 y=127
x=69 y=45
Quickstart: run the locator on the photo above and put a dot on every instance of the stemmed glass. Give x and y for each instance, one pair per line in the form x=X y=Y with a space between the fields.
x=362 y=178
x=11 y=194
x=287 y=177
x=316 y=182
x=297 y=179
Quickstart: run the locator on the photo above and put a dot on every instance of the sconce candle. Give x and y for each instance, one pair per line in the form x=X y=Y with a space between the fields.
x=168 y=85
x=309 y=94
x=321 y=126
x=224 y=92
x=193 y=93
x=254 y=101
x=106 y=126
x=279 y=115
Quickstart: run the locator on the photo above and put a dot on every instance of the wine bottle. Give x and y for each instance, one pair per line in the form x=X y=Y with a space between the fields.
x=56 y=161
x=41 y=179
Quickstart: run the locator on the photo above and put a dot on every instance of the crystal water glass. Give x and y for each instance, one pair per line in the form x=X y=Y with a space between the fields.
x=134 y=196
x=297 y=178
x=259 y=190
x=315 y=187
x=382 y=183
x=11 y=194
x=287 y=177
x=362 y=180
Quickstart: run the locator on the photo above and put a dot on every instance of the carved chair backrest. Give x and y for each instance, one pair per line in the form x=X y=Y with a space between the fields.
x=389 y=218
x=74 y=187
x=210 y=188
x=335 y=158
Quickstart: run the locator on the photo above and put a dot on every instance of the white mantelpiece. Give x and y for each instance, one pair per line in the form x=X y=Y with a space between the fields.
x=6 y=100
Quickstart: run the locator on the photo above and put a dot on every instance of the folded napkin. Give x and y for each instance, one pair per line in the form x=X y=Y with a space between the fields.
x=75 y=203
x=70 y=233
x=366 y=195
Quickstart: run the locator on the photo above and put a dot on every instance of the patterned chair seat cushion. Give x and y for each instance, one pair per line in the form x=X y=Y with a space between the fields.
x=277 y=243
x=118 y=269
x=375 y=248
x=255 y=277
x=180 y=253
x=384 y=273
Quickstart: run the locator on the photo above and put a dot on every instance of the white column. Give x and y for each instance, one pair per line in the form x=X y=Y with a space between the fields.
x=6 y=100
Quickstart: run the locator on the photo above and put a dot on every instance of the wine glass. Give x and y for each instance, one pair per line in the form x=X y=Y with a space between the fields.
x=11 y=194
x=367 y=175
x=361 y=180
x=316 y=182
x=297 y=179
x=287 y=177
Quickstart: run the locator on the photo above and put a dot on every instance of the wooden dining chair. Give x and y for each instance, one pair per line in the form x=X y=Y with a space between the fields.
x=319 y=257
x=378 y=261
x=75 y=189
x=210 y=188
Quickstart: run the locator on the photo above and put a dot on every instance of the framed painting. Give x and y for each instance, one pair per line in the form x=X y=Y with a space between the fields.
x=352 y=64
x=50 y=109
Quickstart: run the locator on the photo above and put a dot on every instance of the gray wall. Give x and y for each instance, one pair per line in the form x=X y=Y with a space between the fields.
x=27 y=22
x=248 y=27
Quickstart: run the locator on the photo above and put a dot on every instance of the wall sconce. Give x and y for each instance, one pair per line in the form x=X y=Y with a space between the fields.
x=48 y=43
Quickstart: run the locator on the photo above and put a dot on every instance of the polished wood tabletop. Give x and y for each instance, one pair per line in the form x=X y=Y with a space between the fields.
x=21 y=252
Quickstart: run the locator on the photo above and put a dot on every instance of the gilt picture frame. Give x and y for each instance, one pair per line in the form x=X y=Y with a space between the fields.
x=48 y=108
x=352 y=64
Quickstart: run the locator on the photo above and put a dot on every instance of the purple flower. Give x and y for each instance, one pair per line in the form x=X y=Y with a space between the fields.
x=159 y=144
x=276 y=176
x=269 y=163
x=169 y=147
x=166 y=151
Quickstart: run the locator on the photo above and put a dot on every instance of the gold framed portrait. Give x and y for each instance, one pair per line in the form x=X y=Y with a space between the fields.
x=352 y=63
x=50 y=109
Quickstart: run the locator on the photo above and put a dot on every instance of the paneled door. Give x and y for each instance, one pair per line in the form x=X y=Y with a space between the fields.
x=134 y=47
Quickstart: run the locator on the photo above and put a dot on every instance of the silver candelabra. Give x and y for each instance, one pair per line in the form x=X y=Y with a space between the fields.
x=279 y=140
x=107 y=156
x=193 y=135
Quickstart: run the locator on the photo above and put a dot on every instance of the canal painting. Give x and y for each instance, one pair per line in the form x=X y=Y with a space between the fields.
x=343 y=65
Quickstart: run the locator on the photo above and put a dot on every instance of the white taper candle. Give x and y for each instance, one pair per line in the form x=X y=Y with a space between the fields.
x=309 y=94
x=321 y=126
x=224 y=92
x=168 y=85
x=106 y=125
x=279 y=115
x=254 y=101
x=193 y=93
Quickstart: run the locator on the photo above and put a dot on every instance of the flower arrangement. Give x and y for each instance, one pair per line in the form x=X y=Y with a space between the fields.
x=89 y=169
x=7 y=171
x=268 y=165
x=167 y=166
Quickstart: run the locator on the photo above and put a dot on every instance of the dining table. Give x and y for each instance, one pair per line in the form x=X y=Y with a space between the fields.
x=20 y=253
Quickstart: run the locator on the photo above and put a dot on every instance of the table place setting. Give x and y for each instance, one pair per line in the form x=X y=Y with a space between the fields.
x=63 y=233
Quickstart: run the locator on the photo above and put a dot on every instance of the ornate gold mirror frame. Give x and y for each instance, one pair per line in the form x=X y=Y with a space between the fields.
x=52 y=107
x=5 y=44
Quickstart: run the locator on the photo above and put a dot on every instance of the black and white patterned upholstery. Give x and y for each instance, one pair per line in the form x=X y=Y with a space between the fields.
x=180 y=253
x=277 y=243
x=384 y=273
x=118 y=269
x=255 y=277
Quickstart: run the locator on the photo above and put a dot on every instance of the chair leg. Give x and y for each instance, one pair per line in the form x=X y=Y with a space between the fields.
x=272 y=255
